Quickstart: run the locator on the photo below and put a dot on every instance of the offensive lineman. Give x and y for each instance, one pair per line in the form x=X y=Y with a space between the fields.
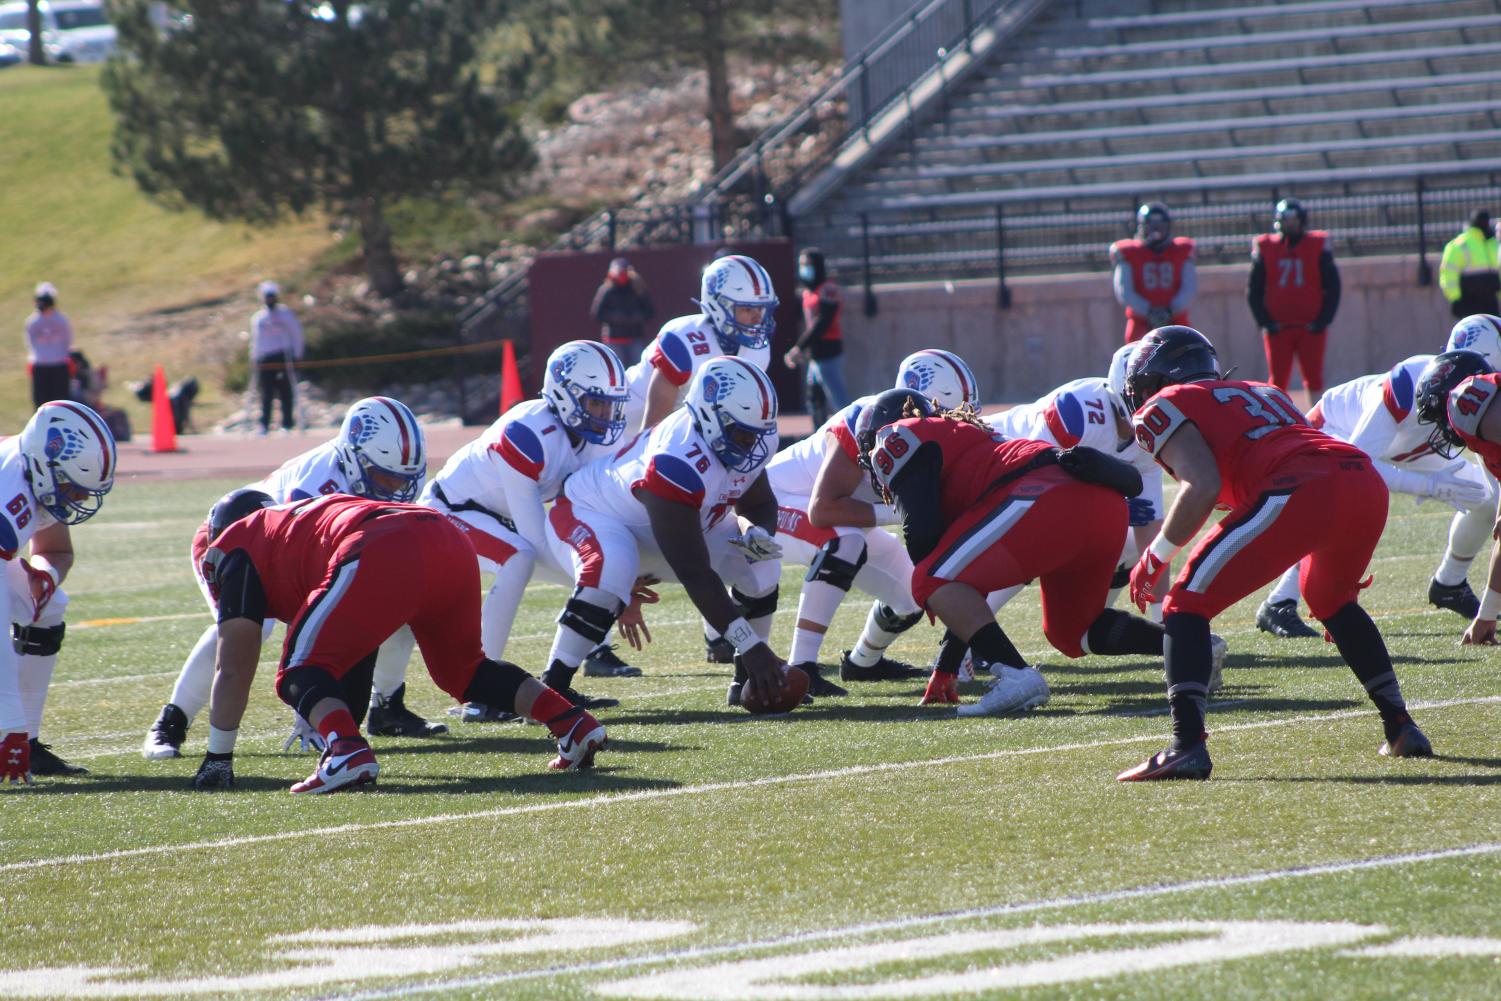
x=54 y=474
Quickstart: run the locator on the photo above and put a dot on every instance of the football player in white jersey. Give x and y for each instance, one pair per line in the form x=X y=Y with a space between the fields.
x=380 y=453
x=829 y=520
x=1378 y=415
x=54 y=474
x=737 y=317
x=628 y=515
x=496 y=487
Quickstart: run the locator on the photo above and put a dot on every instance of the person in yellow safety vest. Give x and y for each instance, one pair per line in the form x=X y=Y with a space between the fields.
x=1467 y=275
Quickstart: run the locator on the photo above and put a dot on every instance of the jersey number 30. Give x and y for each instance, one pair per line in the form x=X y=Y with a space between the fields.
x=1266 y=404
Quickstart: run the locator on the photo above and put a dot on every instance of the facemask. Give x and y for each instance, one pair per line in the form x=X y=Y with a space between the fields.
x=806 y=273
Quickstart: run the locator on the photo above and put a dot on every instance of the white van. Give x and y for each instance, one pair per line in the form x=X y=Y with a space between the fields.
x=73 y=31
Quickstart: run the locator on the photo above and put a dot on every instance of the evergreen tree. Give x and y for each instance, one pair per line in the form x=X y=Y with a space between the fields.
x=253 y=109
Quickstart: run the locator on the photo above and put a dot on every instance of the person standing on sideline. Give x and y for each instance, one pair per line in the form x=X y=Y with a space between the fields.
x=1467 y=274
x=275 y=343
x=1293 y=293
x=822 y=342
x=622 y=307
x=49 y=339
x=1154 y=275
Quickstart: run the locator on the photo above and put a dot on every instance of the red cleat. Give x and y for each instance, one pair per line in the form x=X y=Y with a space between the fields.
x=346 y=763
x=577 y=747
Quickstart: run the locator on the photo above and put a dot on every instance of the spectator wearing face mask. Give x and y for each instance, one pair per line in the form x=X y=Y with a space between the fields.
x=49 y=340
x=822 y=342
x=275 y=343
x=623 y=308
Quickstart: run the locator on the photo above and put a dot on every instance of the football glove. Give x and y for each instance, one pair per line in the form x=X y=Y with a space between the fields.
x=757 y=544
x=1144 y=577
x=214 y=775
x=1159 y=316
x=304 y=736
x=15 y=759
x=43 y=587
x=943 y=689
x=1456 y=491
x=1141 y=511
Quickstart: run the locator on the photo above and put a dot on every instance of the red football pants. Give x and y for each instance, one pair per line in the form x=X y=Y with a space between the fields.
x=1331 y=510
x=1064 y=533
x=412 y=568
x=1307 y=347
x=1137 y=327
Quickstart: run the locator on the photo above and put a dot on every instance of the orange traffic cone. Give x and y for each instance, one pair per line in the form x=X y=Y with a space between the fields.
x=163 y=429
x=510 y=379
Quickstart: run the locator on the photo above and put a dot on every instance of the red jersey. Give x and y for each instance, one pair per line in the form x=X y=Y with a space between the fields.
x=1467 y=405
x=813 y=301
x=1156 y=274
x=292 y=546
x=1253 y=429
x=972 y=459
x=1294 y=285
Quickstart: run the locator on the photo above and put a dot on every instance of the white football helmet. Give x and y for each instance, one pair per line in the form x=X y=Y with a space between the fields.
x=1480 y=333
x=738 y=281
x=1119 y=362
x=69 y=455
x=941 y=376
x=582 y=371
x=382 y=450
x=735 y=408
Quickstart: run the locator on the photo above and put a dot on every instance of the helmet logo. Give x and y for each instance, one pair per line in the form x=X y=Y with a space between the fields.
x=1465 y=336
x=361 y=429
x=56 y=443
x=711 y=389
x=919 y=377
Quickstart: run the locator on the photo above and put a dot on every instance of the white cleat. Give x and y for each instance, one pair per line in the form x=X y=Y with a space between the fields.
x=1218 y=649
x=1016 y=690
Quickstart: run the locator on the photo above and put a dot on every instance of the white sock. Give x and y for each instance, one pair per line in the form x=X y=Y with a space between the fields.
x=498 y=614
x=762 y=625
x=569 y=648
x=33 y=675
x=391 y=662
x=1287 y=587
x=12 y=717
x=196 y=679
x=816 y=606
x=1452 y=570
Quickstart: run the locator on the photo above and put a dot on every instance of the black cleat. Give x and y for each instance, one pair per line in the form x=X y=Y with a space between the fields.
x=1193 y=763
x=603 y=662
x=586 y=701
x=389 y=717
x=1409 y=743
x=164 y=739
x=1457 y=598
x=733 y=696
x=884 y=669
x=818 y=685
x=719 y=651
x=1282 y=621
x=44 y=762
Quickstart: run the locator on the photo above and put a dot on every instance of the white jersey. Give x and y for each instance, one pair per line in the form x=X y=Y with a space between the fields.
x=1080 y=413
x=315 y=473
x=673 y=461
x=680 y=349
x=528 y=439
x=1377 y=413
x=20 y=514
x=794 y=471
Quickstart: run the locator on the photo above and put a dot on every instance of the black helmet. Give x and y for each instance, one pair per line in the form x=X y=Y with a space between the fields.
x=1289 y=206
x=1166 y=357
x=1431 y=398
x=1154 y=223
x=886 y=409
x=236 y=505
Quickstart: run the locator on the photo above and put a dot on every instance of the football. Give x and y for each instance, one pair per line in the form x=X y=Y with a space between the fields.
x=787 y=700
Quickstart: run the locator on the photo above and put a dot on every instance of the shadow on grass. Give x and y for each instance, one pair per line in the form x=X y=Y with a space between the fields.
x=1382 y=780
x=605 y=778
x=528 y=741
x=1224 y=699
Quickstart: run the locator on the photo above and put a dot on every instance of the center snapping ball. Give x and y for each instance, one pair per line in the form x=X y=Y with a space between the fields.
x=788 y=699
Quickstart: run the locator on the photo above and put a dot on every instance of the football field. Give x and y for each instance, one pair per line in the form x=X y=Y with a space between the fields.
x=863 y=847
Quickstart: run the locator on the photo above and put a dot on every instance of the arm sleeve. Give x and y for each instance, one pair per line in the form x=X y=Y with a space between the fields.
x=523 y=500
x=240 y=593
x=916 y=495
x=826 y=313
x=1125 y=290
x=1329 y=278
x=1375 y=433
x=1187 y=288
x=1256 y=291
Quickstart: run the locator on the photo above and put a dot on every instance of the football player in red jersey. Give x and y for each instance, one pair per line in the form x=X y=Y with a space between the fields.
x=345 y=573
x=1454 y=395
x=1293 y=292
x=1154 y=275
x=1244 y=446
x=980 y=513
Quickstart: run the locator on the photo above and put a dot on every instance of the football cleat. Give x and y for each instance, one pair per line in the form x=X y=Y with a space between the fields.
x=214 y=775
x=44 y=762
x=583 y=701
x=390 y=717
x=478 y=712
x=15 y=759
x=1218 y=650
x=603 y=662
x=1282 y=621
x=577 y=747
x=818 y=685
x=1168 y=763
x=1016 y=689
x=346 y=764
x=164 y=739
x=732 y=697
x=884 y=669
x=1409 y=743
x=719 y=651
x=1457 y=598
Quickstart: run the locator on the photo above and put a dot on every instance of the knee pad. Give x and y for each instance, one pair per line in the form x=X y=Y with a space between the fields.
x=496 y=683
x=893 y=622
x=304 y=687
x=38 y=641
x=755 y=608
x=590 y=613
x=838 y=561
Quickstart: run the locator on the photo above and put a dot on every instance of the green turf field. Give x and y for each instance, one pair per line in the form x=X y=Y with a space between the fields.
x=859 y=848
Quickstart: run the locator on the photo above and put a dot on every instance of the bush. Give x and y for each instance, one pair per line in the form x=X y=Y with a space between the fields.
x=415 y=330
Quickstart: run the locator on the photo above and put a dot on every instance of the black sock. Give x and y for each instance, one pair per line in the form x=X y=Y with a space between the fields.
x=558 y=676
x=951 y=650
x=741 y=676
x=1185 y=650
x=991 y=644
x=1115 y=632
x=211 y=756
x=1360 y=643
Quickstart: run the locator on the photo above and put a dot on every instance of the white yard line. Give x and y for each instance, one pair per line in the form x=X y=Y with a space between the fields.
x=612 y=799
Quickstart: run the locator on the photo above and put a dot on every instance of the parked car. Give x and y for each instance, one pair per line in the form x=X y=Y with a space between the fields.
x=73 y=31
x=9 y=55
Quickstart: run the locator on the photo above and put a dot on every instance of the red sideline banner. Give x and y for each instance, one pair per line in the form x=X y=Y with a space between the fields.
x=563 y=286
